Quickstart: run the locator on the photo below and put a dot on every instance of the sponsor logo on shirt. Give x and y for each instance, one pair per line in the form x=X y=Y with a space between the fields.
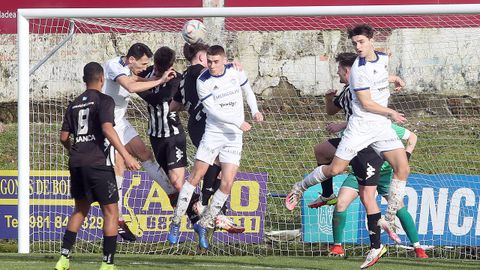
x=85 y=138
x=226 y=94
x=228 y=104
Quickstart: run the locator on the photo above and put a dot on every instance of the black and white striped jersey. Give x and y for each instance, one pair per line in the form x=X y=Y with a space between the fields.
x=188 y=95
x=344 y=101
x=162 y=123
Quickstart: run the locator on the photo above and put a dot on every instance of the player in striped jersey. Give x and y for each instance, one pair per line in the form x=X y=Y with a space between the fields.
x=187 y=97
x=167 y=136
x=121 y=79
x=221 y=89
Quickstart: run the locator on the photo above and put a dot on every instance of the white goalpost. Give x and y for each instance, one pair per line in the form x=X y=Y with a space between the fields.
x=289 y=56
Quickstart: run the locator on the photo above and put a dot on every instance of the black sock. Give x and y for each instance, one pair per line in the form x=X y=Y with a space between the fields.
x=109 y=248
x=327 y=188
x=190 y=213
x=223 y=211
x=374 y=229
x=68 y=241
x=208 y=187
x=173 y=198
x=327 y=185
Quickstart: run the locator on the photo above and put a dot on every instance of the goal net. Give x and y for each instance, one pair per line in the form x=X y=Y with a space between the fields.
x=290 y=62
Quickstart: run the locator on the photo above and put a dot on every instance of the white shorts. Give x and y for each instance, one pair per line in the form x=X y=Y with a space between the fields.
x=362 y=133
x=227 y=146
x=125 y=131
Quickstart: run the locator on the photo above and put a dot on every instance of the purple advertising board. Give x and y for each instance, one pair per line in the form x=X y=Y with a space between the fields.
x=146 y=208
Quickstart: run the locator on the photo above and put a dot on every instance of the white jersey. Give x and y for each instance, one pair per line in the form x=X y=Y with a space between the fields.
x=373 y=76
x=222 y=98
x=115 y=68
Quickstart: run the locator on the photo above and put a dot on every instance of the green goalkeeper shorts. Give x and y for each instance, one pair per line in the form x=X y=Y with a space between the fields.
x=382 y=188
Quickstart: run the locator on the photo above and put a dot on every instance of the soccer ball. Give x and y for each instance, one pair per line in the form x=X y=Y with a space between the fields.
x=194 y=31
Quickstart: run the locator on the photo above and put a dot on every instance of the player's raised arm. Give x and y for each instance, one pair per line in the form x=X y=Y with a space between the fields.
x=330 y=107
x=250 y=96
x=133 y=86
x=397 y=81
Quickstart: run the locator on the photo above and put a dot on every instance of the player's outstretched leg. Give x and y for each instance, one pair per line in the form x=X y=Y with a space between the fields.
x=408 y=226
x=225 y=223
x=389 y=229
x=294 y=196
x=373 y=256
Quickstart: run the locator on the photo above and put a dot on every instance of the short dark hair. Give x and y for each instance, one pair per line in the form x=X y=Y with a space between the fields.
x=138 y=50
x=163 y=59
x=190 y=50
x=346 y=59
x=216 y=50
x=92 y=72
x=361 y=29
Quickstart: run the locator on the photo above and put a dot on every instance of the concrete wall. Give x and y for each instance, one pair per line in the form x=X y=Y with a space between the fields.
x=443 y=61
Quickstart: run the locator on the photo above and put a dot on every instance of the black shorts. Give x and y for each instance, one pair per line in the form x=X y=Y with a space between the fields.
x=94 y=183
x=335 y=142
x=196 y=129
x=170 y=152
x=365 y=165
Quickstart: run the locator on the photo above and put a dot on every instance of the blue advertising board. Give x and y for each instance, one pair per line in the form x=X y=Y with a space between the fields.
x=146 y=208
x=445 y=208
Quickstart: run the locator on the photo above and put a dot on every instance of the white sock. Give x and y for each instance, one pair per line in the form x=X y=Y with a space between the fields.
x=214 y=208
x=313 y=178
x=395 y=198
x=183 y=201
x=158 y=174
x=119 y=180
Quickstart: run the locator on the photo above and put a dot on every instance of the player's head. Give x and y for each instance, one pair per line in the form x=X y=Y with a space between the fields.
x=163 y=60
x=138 y=57
x=362 y=39
x=345 y=63
x=196 y=53
x=216 y=59
x=93 y=75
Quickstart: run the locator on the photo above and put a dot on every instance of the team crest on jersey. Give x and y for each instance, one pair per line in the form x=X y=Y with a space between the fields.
x=84 y=98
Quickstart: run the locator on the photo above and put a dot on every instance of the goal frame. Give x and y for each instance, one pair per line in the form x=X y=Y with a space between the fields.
x=24 y=15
